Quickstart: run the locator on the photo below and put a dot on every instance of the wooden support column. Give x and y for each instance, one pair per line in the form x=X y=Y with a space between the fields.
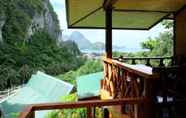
x=32 y=115
x=108 y=41
x=180 y=32
x=89 y=112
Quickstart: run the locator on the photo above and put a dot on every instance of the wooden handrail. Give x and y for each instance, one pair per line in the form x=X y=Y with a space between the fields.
x=147 y=59
x=142 y=58
x=132 y=69
x=87 y=104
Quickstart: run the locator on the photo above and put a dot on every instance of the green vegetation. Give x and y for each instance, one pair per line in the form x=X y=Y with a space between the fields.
x=22 y=55
x=19 y=61
x=72 y=113
x=19 y=16
x=90 y=66
x=162 y=45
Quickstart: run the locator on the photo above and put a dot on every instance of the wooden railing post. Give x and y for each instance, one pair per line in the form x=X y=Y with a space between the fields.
x=148 y=62
x=161 y=63
x=148 y=105
x=31 y=115
x=133 y=61
x=108 y=24
x=89 y=112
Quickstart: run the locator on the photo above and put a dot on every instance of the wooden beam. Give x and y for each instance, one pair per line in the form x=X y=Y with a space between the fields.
x=180 y=35
x=108 y=42
x=29 y=111
x=174 y=35
x=80 y=104
x=89 y=112
x=132 y=69
x=108 y=3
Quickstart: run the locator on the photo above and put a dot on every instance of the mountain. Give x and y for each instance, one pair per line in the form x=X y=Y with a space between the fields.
x=80 y=40
x=84 y=44
x=98 y=46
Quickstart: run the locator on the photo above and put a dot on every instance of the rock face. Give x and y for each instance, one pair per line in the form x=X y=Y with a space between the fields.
x=46 y=21
x=2 y=22
x=42 y=19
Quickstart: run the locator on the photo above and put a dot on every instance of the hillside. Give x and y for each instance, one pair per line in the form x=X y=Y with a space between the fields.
x=20 y=19
x=29 y=41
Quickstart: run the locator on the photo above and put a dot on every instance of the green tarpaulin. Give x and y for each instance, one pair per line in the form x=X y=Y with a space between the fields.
x=89 y=85
x=41 y=88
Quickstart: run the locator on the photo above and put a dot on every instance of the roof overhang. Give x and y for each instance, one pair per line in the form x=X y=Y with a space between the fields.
x=126 y=14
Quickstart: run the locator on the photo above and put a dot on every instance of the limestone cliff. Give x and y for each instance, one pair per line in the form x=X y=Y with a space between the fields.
x=25 y=17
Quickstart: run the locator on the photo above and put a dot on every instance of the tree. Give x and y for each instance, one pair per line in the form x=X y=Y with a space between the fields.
x=163 y=44
x=149 y=44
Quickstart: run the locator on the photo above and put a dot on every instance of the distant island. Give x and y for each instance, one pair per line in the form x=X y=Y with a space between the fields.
x=86 y=46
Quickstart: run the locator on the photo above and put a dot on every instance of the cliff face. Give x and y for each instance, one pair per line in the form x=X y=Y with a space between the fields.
x=25 y=17
x=2 y=22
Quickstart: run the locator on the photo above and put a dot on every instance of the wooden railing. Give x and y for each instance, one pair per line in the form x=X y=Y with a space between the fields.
x=123 y=80
x=6 y=93
x=119 y=75
x=149 y=61
x=29 y=111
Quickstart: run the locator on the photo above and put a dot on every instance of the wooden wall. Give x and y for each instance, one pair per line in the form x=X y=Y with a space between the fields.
x=180 y=33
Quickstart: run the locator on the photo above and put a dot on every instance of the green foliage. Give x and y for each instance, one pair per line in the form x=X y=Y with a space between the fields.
x=168 y=24
x=90 y=66
x=15 y=28
x=15 y=115
x=20 y=55
x=149 y=44
x=19 y=15
x=72 y=113
x=161 y=46
x=68 y=113
x=18 y=61
x=31 y=6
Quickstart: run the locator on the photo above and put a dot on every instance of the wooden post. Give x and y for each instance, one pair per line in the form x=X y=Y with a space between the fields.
x=31 y=115
x=179 y=30
x=108 y=24
x=89 y=112
x=149 y=111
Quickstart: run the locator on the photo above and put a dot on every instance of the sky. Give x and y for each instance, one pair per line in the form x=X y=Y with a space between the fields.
x=124 y=38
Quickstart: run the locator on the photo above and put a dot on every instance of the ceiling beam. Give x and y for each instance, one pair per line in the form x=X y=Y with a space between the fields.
x=129 y=10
